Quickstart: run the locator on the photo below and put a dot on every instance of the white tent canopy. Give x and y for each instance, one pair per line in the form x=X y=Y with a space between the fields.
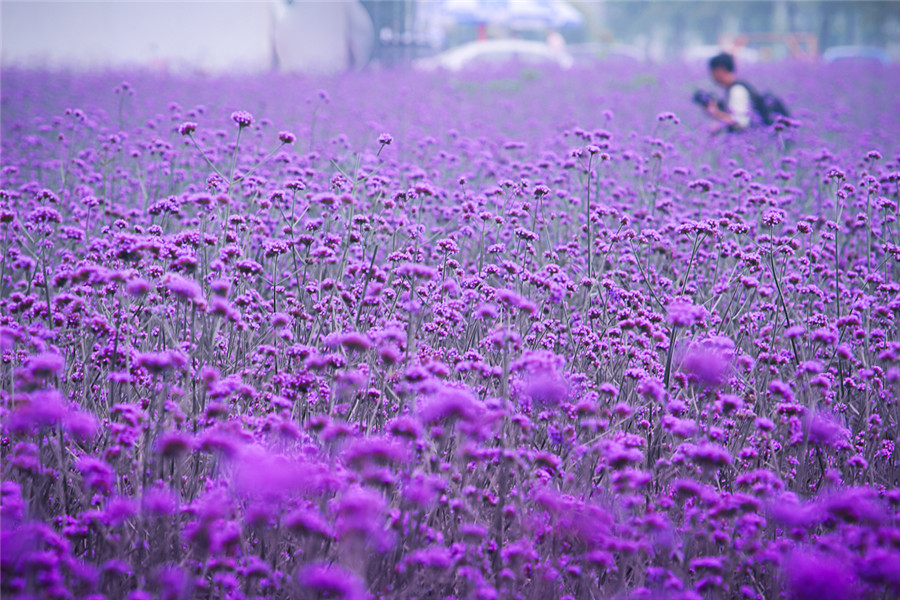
x=512 y=13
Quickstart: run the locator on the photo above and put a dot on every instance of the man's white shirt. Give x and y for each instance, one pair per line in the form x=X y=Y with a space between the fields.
x=739 y=104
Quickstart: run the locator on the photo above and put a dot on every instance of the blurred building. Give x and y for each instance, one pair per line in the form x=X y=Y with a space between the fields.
x=767 y=29
x=335 y=35
x=460 y=21
x=186 y=35
x=161 y=35
x=397 y=38
x=322 y=37
x=654 y=30
x=410 y=29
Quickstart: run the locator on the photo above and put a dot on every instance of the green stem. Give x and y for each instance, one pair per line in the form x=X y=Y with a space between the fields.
x=237 y=144
x=588 y=215
x=669 y=353
x=260 y=163
x=203 y=154
x=691 y=264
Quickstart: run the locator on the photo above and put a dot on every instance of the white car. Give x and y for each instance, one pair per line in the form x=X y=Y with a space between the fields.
x=838 y=53
x=493 y=52
x=591 y=52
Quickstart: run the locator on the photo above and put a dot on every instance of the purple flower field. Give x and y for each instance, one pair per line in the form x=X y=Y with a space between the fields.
x=519 y=335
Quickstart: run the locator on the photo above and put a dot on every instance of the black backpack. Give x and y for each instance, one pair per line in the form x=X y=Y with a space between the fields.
x=768 y=105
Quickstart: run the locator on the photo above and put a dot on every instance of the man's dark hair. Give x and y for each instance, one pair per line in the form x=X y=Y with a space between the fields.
x=723 y=60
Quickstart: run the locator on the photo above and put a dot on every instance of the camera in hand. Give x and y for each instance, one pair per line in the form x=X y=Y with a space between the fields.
x=703 y=98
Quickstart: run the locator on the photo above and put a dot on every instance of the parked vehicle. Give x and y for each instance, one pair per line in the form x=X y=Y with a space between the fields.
x=837 y=53
x=594 y=51
x=492 y=52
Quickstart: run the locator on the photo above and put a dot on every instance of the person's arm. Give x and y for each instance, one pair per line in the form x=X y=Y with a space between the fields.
x=726 y=121
x=738 y=114
x=718 y=114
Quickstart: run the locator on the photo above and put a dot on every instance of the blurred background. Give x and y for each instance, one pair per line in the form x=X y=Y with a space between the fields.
x=338 y=35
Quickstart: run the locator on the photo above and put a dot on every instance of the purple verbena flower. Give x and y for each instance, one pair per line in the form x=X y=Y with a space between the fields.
x=242 y=118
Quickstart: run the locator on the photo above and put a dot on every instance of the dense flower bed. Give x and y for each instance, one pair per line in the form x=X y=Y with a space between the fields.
x=542 y=339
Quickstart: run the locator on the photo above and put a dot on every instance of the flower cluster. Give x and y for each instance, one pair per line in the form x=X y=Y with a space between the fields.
x=242 y=118
x=549 y=344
